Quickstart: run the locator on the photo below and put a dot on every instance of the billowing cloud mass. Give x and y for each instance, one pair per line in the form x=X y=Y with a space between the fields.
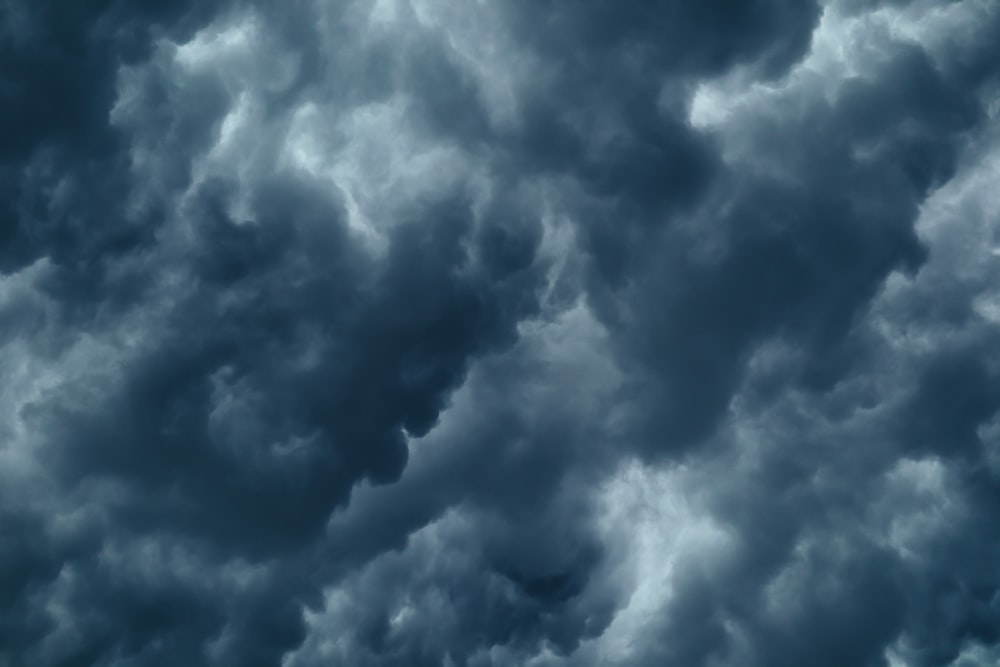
x=448 y=332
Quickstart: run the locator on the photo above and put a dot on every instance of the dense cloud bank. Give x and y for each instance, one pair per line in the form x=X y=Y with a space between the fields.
x=419 y=332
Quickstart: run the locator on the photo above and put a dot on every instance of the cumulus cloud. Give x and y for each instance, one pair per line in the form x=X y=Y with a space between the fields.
x=399 y=332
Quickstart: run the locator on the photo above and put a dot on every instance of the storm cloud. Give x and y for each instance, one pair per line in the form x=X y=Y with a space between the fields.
x=433 y=332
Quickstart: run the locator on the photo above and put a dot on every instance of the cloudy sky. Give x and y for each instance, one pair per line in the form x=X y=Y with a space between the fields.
x=499 y=333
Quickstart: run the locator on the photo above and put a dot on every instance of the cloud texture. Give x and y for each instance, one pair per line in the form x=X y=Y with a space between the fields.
x=434 y=332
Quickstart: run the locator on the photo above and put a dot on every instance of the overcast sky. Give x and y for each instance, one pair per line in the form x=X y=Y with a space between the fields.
x=499 y=333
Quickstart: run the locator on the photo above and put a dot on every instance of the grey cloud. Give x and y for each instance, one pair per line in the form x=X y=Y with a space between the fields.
x=320 y=356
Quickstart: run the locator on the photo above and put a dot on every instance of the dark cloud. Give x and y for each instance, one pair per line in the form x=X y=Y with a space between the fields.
x=59 y=68
x=412 y=333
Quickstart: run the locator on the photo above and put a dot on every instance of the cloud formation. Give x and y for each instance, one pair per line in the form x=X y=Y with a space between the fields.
x=406 y=332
